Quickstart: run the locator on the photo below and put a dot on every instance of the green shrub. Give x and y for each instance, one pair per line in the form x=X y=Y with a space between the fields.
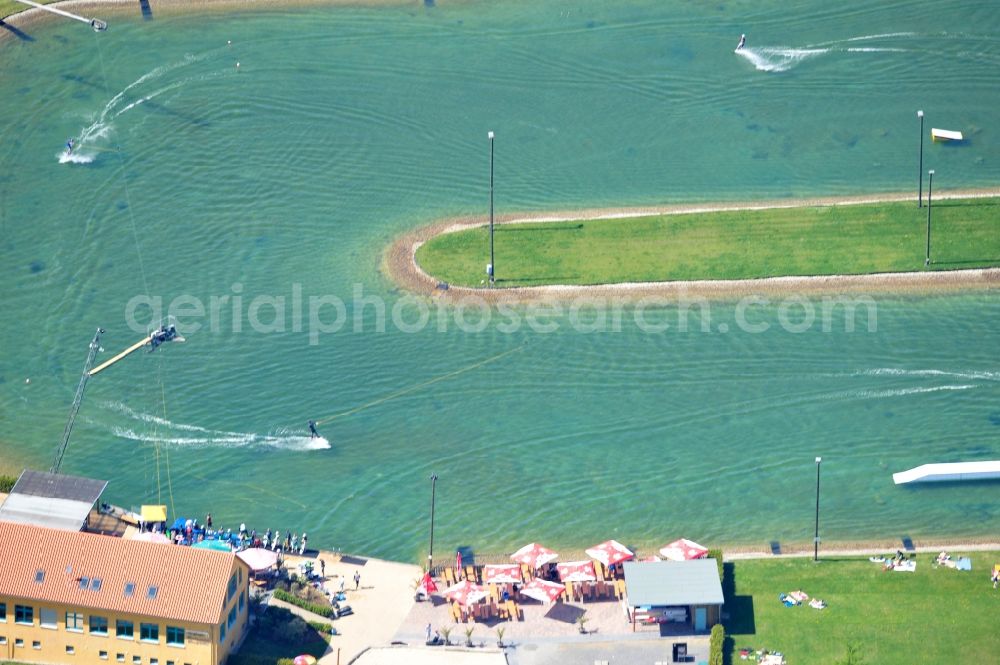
x=250 y=659
x=7 y=483
x=324 y=628
x=323 y=611
x=717 y=555
x=715 y=644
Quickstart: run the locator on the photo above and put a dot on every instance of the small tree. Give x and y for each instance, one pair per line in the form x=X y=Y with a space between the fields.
x=468 y=635
x=853 y=655
x=500 y=631
x=446 y=634
x=581 y=621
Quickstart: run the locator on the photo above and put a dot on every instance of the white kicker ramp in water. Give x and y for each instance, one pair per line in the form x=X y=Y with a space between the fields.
x=953 y=471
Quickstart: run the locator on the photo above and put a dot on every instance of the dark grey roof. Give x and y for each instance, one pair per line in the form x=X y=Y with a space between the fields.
x=661 y=583
x=52 y=500
x=59 y=486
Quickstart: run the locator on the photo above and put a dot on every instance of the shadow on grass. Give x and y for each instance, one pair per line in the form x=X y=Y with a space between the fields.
x=740 y=619
x=533 y=228
x=520 y=281
x=969 y=262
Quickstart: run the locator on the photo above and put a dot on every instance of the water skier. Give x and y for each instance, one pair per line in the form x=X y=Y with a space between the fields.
x=743 y=42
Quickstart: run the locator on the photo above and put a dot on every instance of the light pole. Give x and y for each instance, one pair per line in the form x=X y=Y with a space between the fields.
x=819 y=460
x=491 y=269
x=930 y=187
x=430 y=552
x=920 y=169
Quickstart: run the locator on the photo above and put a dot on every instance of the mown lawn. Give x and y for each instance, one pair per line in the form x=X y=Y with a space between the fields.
x=821 y=240
x=8 y=7
x=934 y=615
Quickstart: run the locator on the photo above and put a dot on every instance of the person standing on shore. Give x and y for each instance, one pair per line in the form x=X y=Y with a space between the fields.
x=322 y=568
x=357 y=579
x=208 y=520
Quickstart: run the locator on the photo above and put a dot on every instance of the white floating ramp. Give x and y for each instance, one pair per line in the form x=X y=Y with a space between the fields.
x=945 y=135
x=929 y=473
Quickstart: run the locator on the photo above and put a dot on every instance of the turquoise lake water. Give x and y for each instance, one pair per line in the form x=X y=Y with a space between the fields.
x=285 y=178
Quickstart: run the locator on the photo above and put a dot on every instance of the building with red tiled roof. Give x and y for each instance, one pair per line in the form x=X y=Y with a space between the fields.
x=76 y=597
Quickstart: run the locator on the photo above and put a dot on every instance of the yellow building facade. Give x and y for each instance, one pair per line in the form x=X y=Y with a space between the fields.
x=72 y=597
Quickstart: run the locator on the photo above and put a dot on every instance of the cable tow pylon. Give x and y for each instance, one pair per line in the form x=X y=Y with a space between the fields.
x=97 y=24
x=95 y=345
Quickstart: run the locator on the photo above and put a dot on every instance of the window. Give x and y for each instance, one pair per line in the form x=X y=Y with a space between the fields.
x=47 y=617
x=3 y=640
x=120 y=657
x=74 y=621
x=3 y=612
x=18 y=642
x=232 y=588
x=70 y=649
x=150 y=632
x=24 y=614
x=129 y=589
x=151 y=593
x=98 y=625
x=123 y=629
x=222 y=631
x=154 y=661
x=232 y=617
x=103 y=655
x=170 y=662
x=35 y=644
x=175 y=636
x=84 y=582
x=95 y=584
x=242 y=602
x=39 y=576
x=136 y=660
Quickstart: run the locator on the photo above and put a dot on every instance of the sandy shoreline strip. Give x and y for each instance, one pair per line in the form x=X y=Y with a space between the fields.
x=29 y=16
x=400 y=265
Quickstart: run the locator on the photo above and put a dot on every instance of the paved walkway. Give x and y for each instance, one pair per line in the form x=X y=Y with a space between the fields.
x=380 y=603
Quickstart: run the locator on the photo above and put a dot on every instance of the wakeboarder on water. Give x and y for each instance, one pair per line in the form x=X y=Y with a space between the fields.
x=743 y=42
x=69 y=146
x=312 y=430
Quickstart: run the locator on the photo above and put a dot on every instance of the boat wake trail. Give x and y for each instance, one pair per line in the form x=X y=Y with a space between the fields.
x=165 y=431
x=966 y=375
x=93 y=138
x=783 y=58
x=778 y=58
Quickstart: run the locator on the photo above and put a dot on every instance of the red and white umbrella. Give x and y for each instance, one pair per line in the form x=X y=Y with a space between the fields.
x=543 y=590
x=504 y=573
x=610 y=552
x=577 y=571
x=152 y=537
x=258 y=558
x=427 y=584
x=465 y=592
x=534 y=555
x=683 y=550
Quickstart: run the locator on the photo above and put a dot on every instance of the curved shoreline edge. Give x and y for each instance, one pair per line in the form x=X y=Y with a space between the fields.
x=400 y=265
x=28 y=16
